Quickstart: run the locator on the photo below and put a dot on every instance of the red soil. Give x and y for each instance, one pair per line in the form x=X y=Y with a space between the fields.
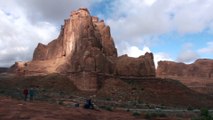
x=19 y=110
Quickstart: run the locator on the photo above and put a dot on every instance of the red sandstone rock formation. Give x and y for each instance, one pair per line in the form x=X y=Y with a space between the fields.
x=201 y=68
x=141 y=66
x=83 y=50
x=18 y=68
x=198 y=75
x=85 y=43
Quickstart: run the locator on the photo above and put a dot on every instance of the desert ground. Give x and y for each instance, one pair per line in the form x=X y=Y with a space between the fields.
x=56 y=97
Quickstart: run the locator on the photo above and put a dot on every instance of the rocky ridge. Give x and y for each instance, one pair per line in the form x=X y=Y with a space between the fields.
x=198 y=75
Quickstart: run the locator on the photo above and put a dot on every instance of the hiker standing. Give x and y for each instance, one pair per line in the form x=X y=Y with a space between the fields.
x=25 y=92
x=31 y=92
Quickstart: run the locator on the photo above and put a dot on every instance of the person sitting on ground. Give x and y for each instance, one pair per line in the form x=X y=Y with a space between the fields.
x=88 y=104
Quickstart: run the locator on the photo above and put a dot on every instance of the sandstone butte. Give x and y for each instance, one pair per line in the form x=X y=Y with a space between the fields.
x=85 y=51
x=198 y=75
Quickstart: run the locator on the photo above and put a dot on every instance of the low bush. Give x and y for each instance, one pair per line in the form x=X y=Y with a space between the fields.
x=190 y=108
x=204 y=115
x=60 y=102
x=136 y=113
x=154 y=115
x=108 y=99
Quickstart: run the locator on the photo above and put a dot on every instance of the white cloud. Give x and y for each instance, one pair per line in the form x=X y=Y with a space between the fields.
x=160 y=56
x=208 y=49
x=19 y=37
x=192 y=16
x=151 y=17
x=134 y=51
x=187 y=54
x=133 y=20
x=149 y=2
x=52 y=11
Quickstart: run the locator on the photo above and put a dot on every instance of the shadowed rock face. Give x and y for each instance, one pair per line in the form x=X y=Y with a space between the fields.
x=84 y=49
x=198 y=75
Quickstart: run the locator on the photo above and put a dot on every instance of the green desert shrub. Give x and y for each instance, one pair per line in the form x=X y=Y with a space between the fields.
x=204 y=115
x=204 y=112
x=136 y=113
x=60 y=102
x=190 y=108
x=108 y=99
x=154 y=115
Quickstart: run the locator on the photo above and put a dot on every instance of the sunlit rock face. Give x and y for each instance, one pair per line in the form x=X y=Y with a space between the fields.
x=84 y=50
x=198 y=75
x=18 y=68
x=136 y=67
x=84 y=46
x=85 y=43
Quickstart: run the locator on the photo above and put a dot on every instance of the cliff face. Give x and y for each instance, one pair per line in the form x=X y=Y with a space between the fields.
x=201 y=68
x=198 y=75
x=83 y=50
x=137 y=67
x=85 y=43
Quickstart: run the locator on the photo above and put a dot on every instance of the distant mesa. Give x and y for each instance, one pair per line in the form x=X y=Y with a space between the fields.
x=3 y=69
x=201 y=68
x=198 y=75
x=85 y=51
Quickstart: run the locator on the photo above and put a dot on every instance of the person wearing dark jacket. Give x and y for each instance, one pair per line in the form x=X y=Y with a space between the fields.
x=25 y=92
x=88 y=104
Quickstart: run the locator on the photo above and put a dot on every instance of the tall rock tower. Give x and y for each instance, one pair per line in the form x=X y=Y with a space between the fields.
x=84 y=47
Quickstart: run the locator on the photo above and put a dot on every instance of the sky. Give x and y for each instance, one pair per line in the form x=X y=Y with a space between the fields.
x=175 y=30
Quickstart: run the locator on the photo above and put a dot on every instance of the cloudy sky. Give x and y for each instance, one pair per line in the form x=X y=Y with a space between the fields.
x=178 y=30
